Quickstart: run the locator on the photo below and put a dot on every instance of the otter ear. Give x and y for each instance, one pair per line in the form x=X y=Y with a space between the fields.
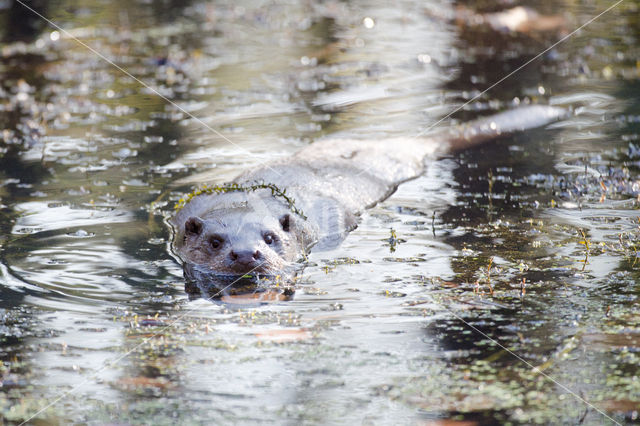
x=285 y=222
x=193 y=226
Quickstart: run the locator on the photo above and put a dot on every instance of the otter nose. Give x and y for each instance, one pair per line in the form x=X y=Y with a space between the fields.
x=245 y=256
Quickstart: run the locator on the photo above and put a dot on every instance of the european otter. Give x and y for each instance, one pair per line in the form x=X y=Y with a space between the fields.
x=332 y=181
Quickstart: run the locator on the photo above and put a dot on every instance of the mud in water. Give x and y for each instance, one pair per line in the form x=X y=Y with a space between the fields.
x=499 y=288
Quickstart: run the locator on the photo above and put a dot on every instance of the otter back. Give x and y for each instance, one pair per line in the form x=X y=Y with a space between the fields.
x=332 y=181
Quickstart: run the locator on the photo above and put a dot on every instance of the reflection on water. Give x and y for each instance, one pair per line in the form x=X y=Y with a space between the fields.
x=202 y=282
x=531 y=239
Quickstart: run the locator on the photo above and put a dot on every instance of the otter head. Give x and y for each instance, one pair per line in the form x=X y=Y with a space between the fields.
x=238 y=242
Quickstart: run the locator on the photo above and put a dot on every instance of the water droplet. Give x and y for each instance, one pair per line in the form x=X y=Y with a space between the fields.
x=81 y=233
x=424 y=58
x=368 y=22
x=153 y=139
x=123 y=153
x=55 y=35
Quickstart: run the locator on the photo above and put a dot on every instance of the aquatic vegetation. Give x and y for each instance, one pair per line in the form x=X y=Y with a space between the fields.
x=235 y=187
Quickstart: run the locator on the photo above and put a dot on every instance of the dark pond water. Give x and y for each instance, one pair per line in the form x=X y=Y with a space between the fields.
x=432 y=327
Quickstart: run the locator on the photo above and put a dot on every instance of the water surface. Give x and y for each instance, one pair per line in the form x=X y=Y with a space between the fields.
x=529 y=242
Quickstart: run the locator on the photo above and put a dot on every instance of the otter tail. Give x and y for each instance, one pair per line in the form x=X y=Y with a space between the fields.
x=502 y=124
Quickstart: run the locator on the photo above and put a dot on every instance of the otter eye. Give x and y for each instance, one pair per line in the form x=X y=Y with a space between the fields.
x=215 y=242
x=269 y=238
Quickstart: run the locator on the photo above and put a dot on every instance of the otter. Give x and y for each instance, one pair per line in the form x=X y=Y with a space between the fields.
x=240 y=233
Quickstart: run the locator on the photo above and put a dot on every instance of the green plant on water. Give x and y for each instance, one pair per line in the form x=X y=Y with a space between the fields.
x=587 y=248
x=489 y=276
x=236 y=187
x=393 y=240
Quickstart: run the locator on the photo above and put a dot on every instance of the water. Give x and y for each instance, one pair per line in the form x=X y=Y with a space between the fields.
x=381 y=330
